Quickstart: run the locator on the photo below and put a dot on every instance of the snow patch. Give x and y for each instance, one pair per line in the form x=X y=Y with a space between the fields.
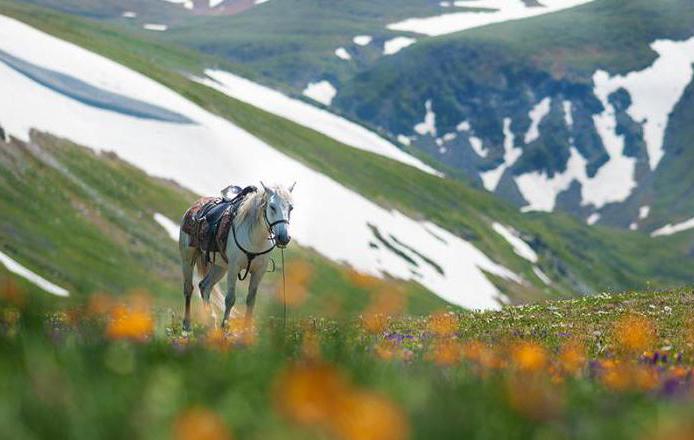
x=213 y=152
x=321 y=91
x=463 y=126
x=499 y=11
x=404 y=140
x=540 y=191
x=537 y=114
x=129 y=14
x=30 y=276
x=541 y=275
x=428 y=126
x=155 y=27
x=397 y=44
x=169 y=225
x=362 y=40
x=655 y=91
x=593 y=218
x=568 y=114
x=342 y=54
x=644 y=211
x=520 y=247
x=330 y=124
x=476 y=144
x=670 y=229
x=491 y=178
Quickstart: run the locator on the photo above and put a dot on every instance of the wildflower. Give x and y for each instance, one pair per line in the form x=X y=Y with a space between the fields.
x=481 y=354
x=534 y=398
x=446 y=352
x=217 y=340
x=133 y=320
x=200 y=424
x=529 y=357
x=385 y=303
x=442 y=324
x=368 y=416
x=306 y=394
x=572 y=358
x=634 y=333
x=241 y=330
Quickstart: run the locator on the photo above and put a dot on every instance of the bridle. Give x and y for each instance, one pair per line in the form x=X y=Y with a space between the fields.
x=250 y=256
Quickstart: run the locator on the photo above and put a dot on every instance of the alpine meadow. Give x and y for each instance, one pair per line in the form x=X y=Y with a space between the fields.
x=352 y=220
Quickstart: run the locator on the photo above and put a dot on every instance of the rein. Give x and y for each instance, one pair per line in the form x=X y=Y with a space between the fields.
x=250 y=256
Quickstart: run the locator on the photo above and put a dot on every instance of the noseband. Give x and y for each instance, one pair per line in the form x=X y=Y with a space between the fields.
x=250 y=256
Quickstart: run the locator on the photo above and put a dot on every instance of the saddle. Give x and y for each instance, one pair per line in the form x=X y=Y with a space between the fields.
x=209 y=220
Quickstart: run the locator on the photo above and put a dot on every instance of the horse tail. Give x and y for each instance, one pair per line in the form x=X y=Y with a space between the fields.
x=202 y=265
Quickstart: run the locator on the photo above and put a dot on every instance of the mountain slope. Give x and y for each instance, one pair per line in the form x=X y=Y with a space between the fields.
x=573 y=256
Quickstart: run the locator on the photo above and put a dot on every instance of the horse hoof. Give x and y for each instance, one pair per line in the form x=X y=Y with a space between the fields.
x=186 y=325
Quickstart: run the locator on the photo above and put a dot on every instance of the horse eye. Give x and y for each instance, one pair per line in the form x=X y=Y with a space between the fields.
x=273 y=209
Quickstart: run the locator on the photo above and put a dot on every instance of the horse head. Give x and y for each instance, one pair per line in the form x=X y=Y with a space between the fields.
x=278 y=211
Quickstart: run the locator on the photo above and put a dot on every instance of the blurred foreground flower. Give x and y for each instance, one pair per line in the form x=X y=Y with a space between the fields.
x=529 y=357
x=200 y=424
x=132 y=320
x=385 y=303
x=446 y=352
x=572 y=358
x=317 y=394
x=618 y=375
x=534 y=397
x=634 y=333
x=442 y=323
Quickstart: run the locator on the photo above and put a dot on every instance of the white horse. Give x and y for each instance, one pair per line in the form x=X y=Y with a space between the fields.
x=261 y=223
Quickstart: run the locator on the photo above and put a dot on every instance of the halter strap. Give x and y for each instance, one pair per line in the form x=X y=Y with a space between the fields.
x=250 y=256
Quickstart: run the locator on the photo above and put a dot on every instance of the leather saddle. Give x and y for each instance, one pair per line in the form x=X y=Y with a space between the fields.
x=208 y=221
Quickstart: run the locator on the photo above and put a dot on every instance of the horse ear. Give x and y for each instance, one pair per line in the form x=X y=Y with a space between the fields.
x=265 y=187
x=291 y=188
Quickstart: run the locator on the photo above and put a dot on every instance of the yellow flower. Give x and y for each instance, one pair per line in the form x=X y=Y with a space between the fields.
x=200 y=424
x=572 y=358
x=529 y=357
x=130 y=324
x=634 y=333
x=368 y=416
x=442 y=324
x=446 y=352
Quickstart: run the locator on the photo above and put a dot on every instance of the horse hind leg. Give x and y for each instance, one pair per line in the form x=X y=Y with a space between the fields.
x=209 y=282
x=187 y=264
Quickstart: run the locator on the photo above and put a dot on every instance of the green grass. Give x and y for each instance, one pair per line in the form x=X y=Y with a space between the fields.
x=63 y=378
x=578 y=258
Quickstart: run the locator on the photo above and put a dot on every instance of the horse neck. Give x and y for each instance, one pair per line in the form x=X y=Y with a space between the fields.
x=252 y=229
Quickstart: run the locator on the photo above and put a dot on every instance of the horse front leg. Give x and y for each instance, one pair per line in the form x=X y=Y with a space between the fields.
x=256 y=276
x=230 y=298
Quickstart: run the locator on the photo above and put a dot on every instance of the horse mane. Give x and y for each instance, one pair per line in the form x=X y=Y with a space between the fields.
x=253 y=206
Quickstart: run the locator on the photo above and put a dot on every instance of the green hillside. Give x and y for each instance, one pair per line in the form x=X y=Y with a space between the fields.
x=576 y=257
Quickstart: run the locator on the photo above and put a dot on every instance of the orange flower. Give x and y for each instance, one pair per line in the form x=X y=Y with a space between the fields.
x=385 y=303
x=572 y=358
x=634 y=333
x=447 y=352
x=481 y=354
x=368 y=416
x=217 y=340
x=241 y=330
x=200 y=424
x=529 y=357
x=534 y=398
x=442 y=324
x=133 y=320
x=306 y=394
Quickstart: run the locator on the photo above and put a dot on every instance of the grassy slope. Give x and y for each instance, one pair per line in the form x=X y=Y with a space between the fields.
x=582 y=258
x=86 y=223
x=62 y=379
